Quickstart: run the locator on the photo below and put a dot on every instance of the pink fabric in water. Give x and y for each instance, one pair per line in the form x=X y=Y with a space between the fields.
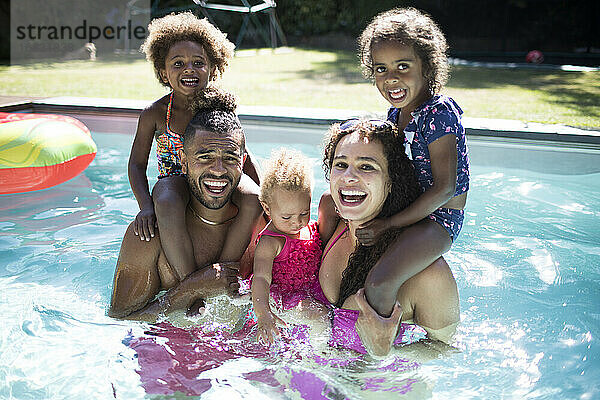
x=343 y=326
x=175 y=365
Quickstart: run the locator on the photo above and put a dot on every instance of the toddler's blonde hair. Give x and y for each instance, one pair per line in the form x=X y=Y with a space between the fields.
x=286 y=169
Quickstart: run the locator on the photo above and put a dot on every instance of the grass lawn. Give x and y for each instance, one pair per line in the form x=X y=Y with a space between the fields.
x=325 y=79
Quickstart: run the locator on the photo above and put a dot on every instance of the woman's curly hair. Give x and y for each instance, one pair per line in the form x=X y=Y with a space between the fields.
x=168 y=30
x=410 y=27
x=287 y=169
x=404 y=190
x=214 y=111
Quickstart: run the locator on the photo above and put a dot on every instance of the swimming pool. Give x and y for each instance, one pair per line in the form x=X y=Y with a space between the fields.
x=526 y=265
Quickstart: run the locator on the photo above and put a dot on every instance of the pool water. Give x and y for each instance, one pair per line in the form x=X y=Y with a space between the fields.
x=526 y=264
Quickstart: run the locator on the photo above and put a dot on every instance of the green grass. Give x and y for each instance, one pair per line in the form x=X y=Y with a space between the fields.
x=325 y=79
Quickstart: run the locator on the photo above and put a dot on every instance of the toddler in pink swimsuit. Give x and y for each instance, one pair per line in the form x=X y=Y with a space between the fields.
x=288 y=252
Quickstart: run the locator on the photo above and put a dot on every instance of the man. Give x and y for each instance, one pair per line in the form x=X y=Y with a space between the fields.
x=220 y=220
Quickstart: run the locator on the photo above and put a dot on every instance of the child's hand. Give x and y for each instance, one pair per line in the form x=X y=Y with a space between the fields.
x=268 y=331
x=144 y=224
x=368 y=233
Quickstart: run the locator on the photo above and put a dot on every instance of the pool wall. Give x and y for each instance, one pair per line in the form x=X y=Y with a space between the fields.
x=88 y=108
x=576 y=146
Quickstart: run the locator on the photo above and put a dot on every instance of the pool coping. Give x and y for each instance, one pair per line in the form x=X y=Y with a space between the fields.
x=499 y=128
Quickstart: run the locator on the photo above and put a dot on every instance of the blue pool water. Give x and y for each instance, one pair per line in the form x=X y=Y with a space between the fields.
x=526 y=264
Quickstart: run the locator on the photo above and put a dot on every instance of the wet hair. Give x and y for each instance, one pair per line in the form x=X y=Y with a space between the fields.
x=404 y=190
x=166 y=31
x=287 y=169
x=214 y=111
x=410 y=27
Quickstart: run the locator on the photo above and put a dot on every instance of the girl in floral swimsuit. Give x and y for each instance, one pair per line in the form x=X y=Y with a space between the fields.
x=404 y=52
x=288 y=252
x=187 y=54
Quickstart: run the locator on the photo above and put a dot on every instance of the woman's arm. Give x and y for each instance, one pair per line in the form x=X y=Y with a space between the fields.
x=327 y=219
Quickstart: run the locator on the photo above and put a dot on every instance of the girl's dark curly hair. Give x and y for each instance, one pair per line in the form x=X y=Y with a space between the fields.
x=414 y=28
x=405 y=189
x=214 y=111
x=168 y=30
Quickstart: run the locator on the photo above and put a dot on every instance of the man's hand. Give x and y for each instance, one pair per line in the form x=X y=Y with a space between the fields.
x=145 y=223
x=377 y=333
x=367 y=233
x=219 y=276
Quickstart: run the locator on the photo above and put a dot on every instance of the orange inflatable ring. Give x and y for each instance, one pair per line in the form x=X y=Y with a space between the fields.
x=38 y=151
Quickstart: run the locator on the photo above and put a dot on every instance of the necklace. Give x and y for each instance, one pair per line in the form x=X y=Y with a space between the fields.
x=208 y=221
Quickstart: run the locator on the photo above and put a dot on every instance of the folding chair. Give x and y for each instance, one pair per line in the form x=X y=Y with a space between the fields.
x=250 y=19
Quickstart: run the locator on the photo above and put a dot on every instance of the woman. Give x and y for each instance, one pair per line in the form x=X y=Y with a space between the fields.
x=370 y=177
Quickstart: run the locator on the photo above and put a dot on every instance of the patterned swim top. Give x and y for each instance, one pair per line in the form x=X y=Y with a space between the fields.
x=297 y=265
x=167 y=145
x=439 y=116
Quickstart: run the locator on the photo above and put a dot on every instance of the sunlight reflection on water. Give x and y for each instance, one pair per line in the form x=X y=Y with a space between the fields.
x=525 y=264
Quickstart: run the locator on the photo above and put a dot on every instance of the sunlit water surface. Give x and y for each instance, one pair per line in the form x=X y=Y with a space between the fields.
x=526 y=264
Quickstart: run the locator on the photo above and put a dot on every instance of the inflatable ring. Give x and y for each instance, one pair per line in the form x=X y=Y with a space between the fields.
x=38 y=151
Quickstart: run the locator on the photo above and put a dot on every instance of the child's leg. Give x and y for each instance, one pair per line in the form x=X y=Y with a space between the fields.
x=171 y=196
x=412 y=251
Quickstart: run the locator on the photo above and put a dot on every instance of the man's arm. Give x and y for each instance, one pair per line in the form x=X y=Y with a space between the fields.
x=136 y=279
x=207 y=281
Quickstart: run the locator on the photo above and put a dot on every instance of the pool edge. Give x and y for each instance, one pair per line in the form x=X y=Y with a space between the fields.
x=495 y=128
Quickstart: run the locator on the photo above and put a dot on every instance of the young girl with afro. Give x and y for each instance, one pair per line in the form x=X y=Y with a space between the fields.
x=404 y=52
x=188 y=54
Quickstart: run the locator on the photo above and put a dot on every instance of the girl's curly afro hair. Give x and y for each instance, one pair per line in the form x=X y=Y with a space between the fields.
x=410 y=27
x=168 y=30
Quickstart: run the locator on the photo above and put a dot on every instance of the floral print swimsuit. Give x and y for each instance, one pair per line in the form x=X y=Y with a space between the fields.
x=168 y=144
x=437 y=117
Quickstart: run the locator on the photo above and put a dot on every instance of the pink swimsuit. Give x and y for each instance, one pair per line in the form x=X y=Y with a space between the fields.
x=296 y=267
x=343 y=321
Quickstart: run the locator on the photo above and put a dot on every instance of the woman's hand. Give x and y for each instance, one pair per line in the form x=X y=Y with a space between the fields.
x=368 y=232
x=268 y=331
x=377 y=333
x=144 y=223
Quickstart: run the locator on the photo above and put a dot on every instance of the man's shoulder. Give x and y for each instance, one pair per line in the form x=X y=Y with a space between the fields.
x=248 y=187
x=132 y=246
x=246 y=196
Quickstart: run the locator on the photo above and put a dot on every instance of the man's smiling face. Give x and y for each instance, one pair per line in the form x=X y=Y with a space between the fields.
x=213 y=165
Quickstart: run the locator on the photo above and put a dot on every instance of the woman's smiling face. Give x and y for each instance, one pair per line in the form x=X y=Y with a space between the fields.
x=359 y=179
